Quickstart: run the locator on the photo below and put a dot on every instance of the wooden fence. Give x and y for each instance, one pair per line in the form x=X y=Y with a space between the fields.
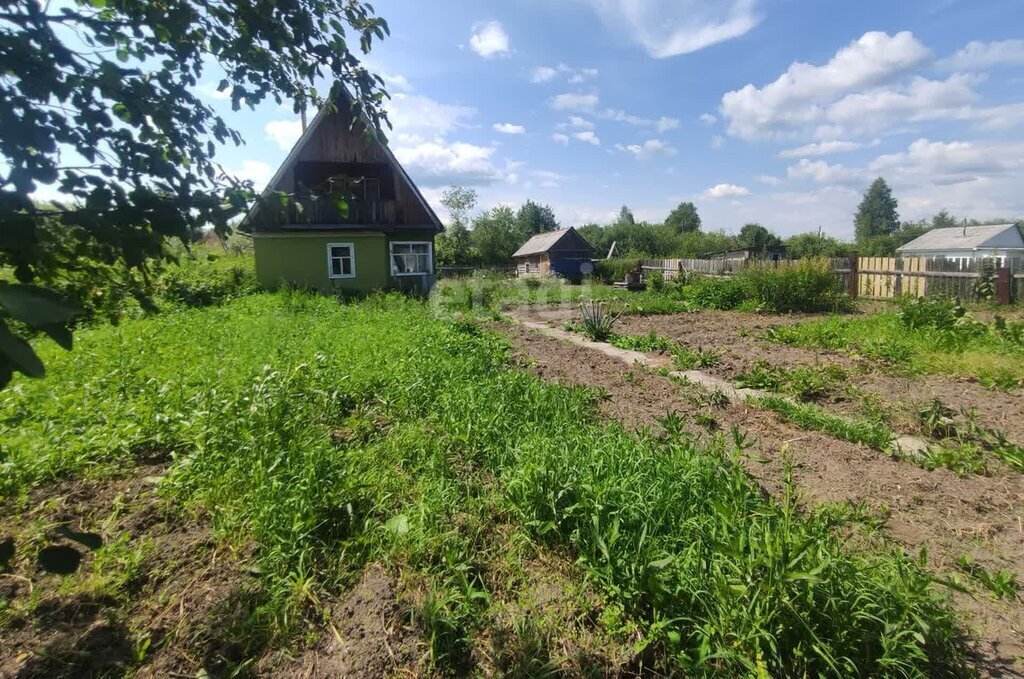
x=883 y=277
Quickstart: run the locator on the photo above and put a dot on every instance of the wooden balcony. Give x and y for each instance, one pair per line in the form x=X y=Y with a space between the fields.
x=328 y=210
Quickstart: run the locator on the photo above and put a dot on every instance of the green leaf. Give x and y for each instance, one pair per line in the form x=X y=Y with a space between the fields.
x=19 y=353
x=35 y=306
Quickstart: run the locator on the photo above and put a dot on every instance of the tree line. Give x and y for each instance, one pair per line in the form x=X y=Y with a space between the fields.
x=490 y=238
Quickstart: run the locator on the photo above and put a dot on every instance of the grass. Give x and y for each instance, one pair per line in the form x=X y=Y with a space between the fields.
x=1002 y=584
x=651 y=341
x=807 y=285
x=806 y=384
x=885 y=339
x=329 y=435
x=871 y=433
x=689 y=359
x=964 y=439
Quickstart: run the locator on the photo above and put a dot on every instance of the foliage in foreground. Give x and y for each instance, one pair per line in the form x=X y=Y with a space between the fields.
x=330 y=434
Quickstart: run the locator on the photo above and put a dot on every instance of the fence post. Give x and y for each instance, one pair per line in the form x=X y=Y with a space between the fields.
x=853 y=282
x=1003 y=285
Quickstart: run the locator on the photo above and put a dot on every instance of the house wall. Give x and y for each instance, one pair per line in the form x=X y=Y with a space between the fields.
x=1001 y=253
x=300 y=259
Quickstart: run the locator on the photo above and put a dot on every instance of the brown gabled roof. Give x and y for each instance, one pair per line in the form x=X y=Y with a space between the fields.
x=545 y=242
x=344 y=99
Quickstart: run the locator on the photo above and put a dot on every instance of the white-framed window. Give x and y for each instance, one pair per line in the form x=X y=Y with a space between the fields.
x=341 y=260
x=412 y=258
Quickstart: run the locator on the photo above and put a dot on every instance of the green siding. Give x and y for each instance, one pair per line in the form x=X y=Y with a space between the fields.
x=301 y=259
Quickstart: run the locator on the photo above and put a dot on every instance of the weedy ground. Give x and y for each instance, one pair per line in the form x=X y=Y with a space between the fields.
x=314 y=439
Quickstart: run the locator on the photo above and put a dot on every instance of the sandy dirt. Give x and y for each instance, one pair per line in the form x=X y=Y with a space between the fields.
x=949 y=515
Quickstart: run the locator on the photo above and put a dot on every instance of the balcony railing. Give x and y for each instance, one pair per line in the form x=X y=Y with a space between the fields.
x=328 y=210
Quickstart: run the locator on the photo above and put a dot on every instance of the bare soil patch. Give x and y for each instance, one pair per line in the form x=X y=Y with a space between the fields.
x=154 y=593
x=736 y=336
x=949 y=515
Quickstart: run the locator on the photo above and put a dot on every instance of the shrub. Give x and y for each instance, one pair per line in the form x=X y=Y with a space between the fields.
x=532 y=283
x=597 y=321
x=807 y=285
x=611 y=270
x=924 y=312
x=199 y=283
x=657 y=281
x=715 y=293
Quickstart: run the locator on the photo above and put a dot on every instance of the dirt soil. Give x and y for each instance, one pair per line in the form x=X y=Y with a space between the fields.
x=368 y=634
x=736 y=336
x=153 y=591
x=949 y=515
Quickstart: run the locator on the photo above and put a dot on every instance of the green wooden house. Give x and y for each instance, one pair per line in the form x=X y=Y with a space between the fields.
x=352 y=220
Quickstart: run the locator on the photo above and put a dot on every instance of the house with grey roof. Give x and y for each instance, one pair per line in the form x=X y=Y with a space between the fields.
x=1001 y=241
x=563 y=252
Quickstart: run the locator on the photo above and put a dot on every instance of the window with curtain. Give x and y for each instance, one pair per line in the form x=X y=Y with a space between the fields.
x=411 y=258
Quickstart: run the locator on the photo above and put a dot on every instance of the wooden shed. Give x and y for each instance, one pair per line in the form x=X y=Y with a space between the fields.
x=555 y=253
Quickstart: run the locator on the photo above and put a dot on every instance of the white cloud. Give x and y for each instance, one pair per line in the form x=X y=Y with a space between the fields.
x=509 y=128
x=548 y=179
x=769 y=180
x=588 y=137
x=977 y=55
x=419 y=117
x=708 y=119
x=437 y=163
x=821 y=172
x=574 y=102
x=922 y=99
x=649 y=149
x=284 y=132
x=953 y=162
x=823 y=148
x=574 y=76
x=798 y=97
x=726 y=191
x=562 y=139
x=717 y=141
x=395 y=82
x=664 y=124
x=543 y=74
x=581 y=123
x=582 y=75
x=489 y=39
x=257 y=171
x=667 y=29
x=210 y=91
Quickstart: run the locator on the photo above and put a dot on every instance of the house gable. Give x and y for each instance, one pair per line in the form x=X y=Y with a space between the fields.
x=340 y=175
x=1012 y=238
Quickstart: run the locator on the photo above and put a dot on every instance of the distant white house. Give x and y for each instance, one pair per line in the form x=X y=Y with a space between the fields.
x=968 y=242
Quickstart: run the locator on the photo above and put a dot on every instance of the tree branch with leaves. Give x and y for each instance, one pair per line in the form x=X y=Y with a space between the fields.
x=100 y=104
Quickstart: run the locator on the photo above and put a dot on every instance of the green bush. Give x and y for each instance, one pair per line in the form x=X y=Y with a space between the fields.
x=715 y=293
x=925 y=312
x=657 y=281
x=612 y=270
x=807 y=285
x=206 y=281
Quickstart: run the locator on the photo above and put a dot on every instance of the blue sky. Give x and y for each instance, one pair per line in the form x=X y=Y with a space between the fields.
x=776 y=111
